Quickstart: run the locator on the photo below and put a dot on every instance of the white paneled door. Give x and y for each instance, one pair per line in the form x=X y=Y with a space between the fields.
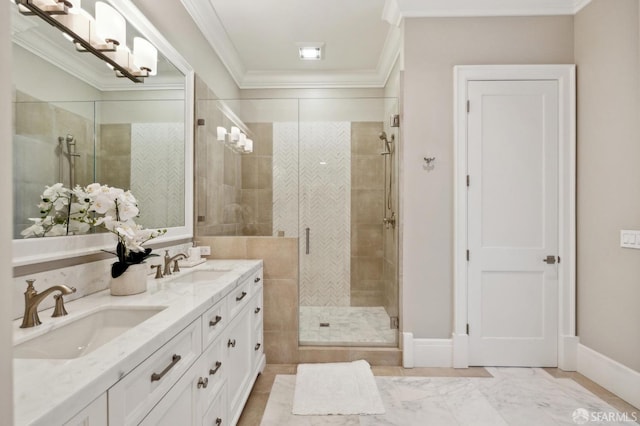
x=513 y=222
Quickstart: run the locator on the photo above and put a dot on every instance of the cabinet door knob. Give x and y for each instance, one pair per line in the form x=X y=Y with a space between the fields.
x=257 y=310
x=257 y=347
x=231 y=343
x=257 y=280
x=218 y=421
x=203 y=383
x=215 y=370
x=239 y=298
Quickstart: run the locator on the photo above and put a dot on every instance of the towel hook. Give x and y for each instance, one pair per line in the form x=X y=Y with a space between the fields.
x=429 y=160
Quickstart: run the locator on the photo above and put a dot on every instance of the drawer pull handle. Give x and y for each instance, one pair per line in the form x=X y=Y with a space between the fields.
x=174 y=360
x=231 y=343
x=216 y=321
x=218 y=421
x=257 y=280
x=215 y=370
x=244 y=293
x=257 y=347
x=203 y=383
x=257 y=310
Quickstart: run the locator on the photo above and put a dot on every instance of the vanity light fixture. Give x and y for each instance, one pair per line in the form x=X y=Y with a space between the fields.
x=235 y=139
x=104 y=36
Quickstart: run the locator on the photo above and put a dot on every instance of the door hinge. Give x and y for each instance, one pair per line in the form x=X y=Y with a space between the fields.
x=467 y=255
x=467 y=329
x=468 y=180
x=468 y=106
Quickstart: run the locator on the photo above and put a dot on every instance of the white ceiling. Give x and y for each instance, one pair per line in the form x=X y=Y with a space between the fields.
x=257 y=39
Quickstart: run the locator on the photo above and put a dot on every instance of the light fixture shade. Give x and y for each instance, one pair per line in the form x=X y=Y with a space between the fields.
x=76 y=6
x=79 y=22
x=121 y=56
x=242 y=140
x=248 y=146
x=235 y=134
x=222 y=132
x=110 y=25
x=145 y=55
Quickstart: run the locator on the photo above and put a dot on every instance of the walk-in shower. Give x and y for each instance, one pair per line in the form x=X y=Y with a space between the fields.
x=317 y=176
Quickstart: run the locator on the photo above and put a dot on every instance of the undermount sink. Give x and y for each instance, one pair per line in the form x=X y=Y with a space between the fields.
x=85 y=334
x=202 y=275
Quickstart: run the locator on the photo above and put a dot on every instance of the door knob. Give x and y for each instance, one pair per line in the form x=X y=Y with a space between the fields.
x=551 y=260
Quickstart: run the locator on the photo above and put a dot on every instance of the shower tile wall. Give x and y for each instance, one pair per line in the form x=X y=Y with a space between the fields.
x=155 y=148
x=367 y=201
x=257 y=181
x=285 y=179
x=114 y=155
x=37 y=126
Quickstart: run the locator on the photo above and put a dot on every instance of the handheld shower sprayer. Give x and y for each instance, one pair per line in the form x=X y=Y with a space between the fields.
x=387 y=142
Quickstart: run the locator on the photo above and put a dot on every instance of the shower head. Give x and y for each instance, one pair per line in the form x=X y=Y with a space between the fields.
x=383 y=137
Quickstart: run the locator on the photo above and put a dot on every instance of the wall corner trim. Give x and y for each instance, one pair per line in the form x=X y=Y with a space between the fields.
x=610 y=374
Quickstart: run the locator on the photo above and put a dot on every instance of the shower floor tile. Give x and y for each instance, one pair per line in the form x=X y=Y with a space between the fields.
x=348 y=325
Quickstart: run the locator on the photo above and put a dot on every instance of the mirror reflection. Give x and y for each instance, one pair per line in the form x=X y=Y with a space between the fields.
x=81 y=124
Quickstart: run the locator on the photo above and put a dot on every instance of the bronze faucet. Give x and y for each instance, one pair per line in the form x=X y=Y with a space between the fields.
x=32 y=299
x=174 y=259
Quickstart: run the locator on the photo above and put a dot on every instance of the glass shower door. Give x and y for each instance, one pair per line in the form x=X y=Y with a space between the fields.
x=341 y=209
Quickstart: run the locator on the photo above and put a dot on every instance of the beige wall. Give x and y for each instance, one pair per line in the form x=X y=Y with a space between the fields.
x=6 y=359
x=432 y=46
x=606 y=54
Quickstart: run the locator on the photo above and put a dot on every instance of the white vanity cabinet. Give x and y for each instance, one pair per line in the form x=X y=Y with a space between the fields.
x=95 y=414
x=212 y=385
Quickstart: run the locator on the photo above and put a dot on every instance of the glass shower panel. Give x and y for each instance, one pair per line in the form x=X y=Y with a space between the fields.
x=343 y=290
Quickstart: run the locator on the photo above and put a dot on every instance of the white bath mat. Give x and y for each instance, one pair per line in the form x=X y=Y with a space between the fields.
x=336 y=388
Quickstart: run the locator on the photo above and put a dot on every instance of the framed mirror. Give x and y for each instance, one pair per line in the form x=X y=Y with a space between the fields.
x=76 y=123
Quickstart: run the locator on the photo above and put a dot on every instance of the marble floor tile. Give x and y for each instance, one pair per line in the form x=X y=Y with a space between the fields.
x=512 y=396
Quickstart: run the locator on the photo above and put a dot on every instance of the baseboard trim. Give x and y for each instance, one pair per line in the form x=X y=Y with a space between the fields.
x=426 y=352
x=610 y=374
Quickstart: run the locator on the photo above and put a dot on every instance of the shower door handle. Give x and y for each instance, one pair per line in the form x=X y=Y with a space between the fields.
x=307 y=232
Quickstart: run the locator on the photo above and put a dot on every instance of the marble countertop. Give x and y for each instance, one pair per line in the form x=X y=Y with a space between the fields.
x=46 y=389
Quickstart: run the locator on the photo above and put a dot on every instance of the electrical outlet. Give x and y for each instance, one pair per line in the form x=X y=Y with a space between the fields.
x=205 y=250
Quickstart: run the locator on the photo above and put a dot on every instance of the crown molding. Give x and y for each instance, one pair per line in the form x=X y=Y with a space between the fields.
x=207 y=20
x=396 y=10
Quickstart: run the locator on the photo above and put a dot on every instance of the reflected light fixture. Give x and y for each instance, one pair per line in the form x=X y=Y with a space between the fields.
x=104 y=36
x=235 y=139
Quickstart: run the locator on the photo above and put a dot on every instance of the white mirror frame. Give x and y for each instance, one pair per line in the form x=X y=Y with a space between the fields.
x=38 y=250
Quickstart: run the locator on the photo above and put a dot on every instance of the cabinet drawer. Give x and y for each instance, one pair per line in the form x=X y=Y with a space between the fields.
x=257 y=279
x=257 y=306
x=135 y=395
x=239 y=297
x=216 y=414
x=257 y=348
x=213 y=370
x=214 y=321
